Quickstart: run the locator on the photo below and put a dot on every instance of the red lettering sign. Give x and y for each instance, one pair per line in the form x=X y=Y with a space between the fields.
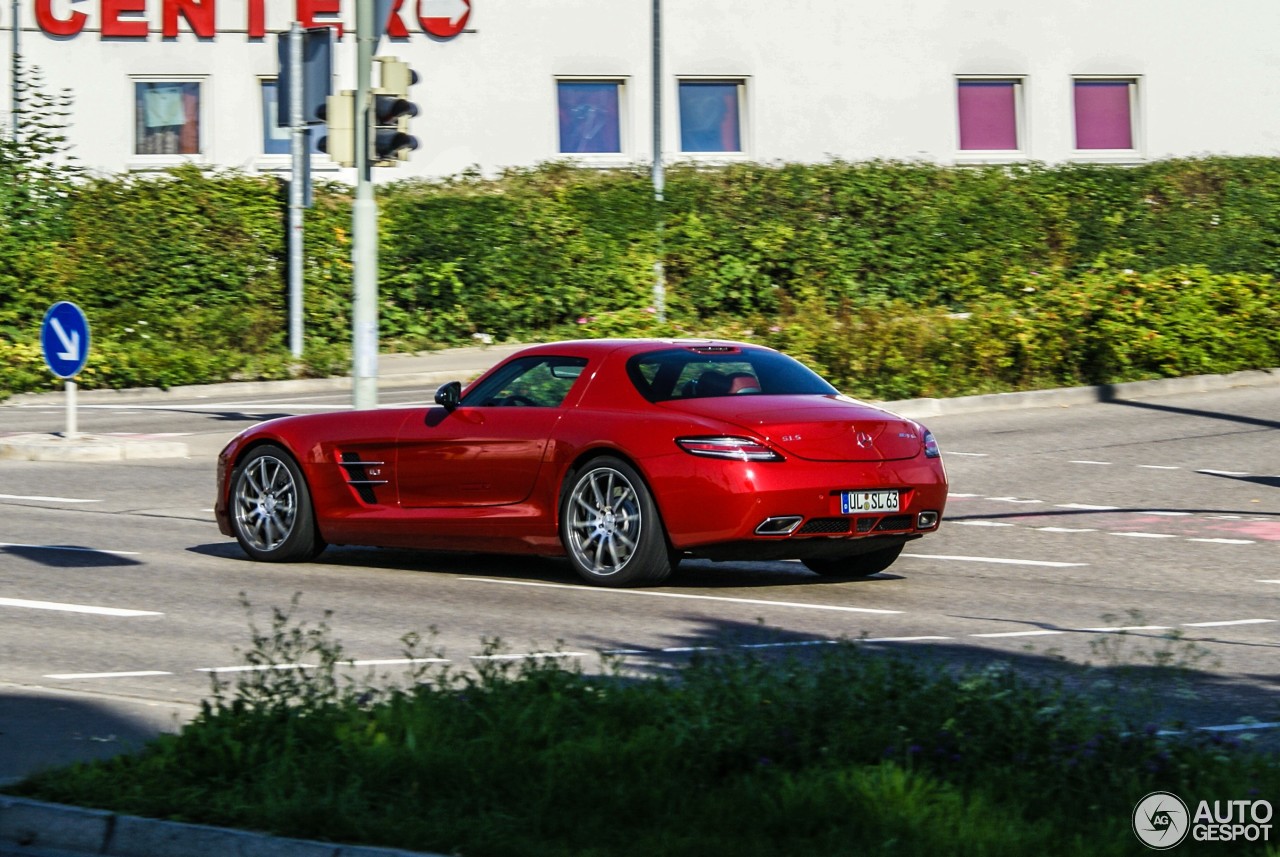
x=113 y=26
x=257 y=20
x=395 y=25
x=199 y=14
x=308 y=9
x=127 y=19
x=58 y=26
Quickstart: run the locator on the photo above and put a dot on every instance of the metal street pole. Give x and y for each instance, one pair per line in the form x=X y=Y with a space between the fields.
x=298 y=134
x=659 y=178
x=16 y=69
x=364 y=227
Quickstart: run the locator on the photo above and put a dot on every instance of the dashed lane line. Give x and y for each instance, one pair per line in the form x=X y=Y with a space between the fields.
x=542 y=655
x=75 y=548
x=74 y=608
x=1040 y=563
x=43 y=499
x=134 y=674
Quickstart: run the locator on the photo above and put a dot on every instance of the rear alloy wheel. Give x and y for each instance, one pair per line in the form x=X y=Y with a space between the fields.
x=610 y=526
x=861 y=565
x=271 y=508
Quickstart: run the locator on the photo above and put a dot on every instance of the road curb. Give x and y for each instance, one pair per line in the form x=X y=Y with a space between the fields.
x=45 y=827
x=1064 y=397
x=52 y=447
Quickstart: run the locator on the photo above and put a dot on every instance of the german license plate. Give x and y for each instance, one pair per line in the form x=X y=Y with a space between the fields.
x=853 y=502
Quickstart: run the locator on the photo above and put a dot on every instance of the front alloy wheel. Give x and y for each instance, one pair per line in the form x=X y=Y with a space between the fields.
x=610 y=527
x=271 y=508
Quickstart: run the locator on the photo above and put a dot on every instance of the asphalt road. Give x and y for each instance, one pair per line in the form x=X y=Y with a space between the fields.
x=120 y=600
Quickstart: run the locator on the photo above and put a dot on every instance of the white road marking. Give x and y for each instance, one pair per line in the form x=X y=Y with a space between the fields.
x=1158 y=467
x=953 y=494
x=1224 y=541
x=1239 y=727
x=1269 y=581
x=998 y=560
x=46 y=499
x=137 y=674
x=902 y=639
x=1224 y=472
x=74 y=608
x=66 y=548
x=1122 y=628
x=256 y=668
x=969 y=454
x=1145 y=535
x=1229 y=622
x=1020 y=634
x=390 y=662
x=1086 y=461
x=651 y=594
x=1164 y=514
x=1086 y=507
x=529 y=656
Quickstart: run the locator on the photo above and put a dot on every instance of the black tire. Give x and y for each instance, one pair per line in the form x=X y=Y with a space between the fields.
x=610 y=527
x=270 y=508
x=861 y=565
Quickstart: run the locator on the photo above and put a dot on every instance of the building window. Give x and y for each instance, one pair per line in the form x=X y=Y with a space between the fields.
x=711 y=115
x=1104 y=111
x=275 y=139
x=167 y=118
x=590 y=116
x=990 y=111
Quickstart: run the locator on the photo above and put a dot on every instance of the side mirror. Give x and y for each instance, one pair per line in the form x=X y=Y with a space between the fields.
x=449 y=395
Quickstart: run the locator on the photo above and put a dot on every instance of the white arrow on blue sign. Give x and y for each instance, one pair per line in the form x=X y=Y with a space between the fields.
x=65 y=339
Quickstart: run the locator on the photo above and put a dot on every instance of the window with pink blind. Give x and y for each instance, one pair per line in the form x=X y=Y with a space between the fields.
x=1104 y=118
x=988 y=115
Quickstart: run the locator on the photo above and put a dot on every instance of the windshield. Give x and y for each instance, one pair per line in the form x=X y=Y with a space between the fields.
x=701 y=372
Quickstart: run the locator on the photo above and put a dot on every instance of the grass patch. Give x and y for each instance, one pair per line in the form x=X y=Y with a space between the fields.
x=850 y=751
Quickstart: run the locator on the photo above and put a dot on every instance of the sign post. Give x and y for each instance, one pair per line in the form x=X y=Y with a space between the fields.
x=64 y=337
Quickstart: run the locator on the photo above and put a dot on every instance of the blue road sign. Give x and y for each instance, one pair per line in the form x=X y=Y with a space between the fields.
x=65 y=339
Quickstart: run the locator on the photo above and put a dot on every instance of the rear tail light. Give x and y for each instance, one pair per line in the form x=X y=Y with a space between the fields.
x=736 y=448
x=931 y=449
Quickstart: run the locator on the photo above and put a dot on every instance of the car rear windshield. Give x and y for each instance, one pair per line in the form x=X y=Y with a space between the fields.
x=700 y=372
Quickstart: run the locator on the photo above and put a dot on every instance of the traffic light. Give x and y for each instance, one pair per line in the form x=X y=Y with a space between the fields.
x=390 y=112
x=339 y=141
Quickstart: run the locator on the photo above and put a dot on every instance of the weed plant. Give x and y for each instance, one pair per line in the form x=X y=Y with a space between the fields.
x=851 y=752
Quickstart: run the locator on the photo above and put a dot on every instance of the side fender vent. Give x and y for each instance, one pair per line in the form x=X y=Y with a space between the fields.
x=363 y=476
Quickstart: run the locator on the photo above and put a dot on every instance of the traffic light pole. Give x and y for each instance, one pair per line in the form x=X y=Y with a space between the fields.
x=364 y=226
x=299 y=138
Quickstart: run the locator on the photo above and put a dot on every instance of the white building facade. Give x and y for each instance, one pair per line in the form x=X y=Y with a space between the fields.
x=512 y=83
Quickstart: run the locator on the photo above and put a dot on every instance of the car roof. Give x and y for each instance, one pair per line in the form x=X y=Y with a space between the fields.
x=627 y=347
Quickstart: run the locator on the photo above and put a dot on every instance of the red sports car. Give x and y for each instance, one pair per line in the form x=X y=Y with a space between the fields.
x=623 y=455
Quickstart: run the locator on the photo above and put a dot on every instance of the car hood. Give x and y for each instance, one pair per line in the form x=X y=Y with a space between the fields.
x=817 y=428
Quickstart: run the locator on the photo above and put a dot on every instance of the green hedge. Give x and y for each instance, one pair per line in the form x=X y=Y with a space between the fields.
x=1070 y=274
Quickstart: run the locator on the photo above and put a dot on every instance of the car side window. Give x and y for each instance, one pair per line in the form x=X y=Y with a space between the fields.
x=530 y=382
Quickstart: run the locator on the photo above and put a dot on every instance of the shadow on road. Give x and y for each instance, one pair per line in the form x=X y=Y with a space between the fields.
x=1108 y=396
x=46 y=729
